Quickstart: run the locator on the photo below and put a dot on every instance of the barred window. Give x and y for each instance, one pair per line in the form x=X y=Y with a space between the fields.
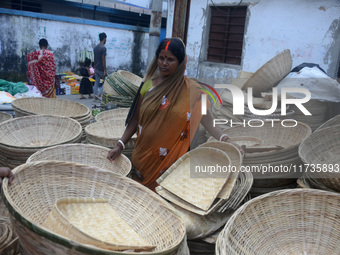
x=226 y=34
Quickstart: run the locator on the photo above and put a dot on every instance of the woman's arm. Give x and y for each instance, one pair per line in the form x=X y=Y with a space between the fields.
x=130 y=129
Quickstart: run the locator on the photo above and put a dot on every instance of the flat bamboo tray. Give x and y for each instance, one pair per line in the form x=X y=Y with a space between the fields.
x=119 y=113
x=198 y=188
x=94 y=222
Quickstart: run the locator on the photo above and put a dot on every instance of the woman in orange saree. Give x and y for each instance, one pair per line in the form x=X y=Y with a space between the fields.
x=42 y=69
x=166 y=114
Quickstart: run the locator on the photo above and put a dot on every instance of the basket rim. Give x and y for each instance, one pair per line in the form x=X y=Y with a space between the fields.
x=42 y=116
x=320 y=132
x=44 y=232
x=15 y=106
x=68 y=145
x=302 y=191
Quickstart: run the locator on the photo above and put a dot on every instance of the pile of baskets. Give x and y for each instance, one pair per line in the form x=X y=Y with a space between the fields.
x=108 y=129
x=31 y=207
x=52 y=106
x=21 y=137
x=120 y=88
x=294 y=221
x=205 y=204
x=320 y=153
x=272 y=161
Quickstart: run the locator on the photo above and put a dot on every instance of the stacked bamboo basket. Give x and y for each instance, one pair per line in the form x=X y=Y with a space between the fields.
x=52 y=106
x=205 y=201
x=21 y=137
x=294 y=221
x=120 y=88
x=279 y=150
x=320 y=153
x=62 y=189
x=5 y=116
x=9 y=241
x=108 y=129
x=86 y=154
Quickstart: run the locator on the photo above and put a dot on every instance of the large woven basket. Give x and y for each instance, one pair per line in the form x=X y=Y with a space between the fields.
x=50 y=106
x=29 y=205
x=119 y=113
x=5 y=116
x=21 y=137
x=107 y=133
x=295 y=221
x=321 y=152
x=270 y=74
x=87 y=154
x=331 y=122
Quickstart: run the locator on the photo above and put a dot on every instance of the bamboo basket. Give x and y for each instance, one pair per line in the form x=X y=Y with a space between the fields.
x=49 y=106
x=295 y=221
x=5 y=116
x=335 y=121
x=87 y=154
x=107 y=133
x=119 y=113
x=321 y=152
x=270 y=74
x=29 y=205
x=21 y=137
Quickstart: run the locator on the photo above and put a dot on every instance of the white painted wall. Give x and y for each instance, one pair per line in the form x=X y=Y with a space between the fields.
x=310 y=29
x=20 y=35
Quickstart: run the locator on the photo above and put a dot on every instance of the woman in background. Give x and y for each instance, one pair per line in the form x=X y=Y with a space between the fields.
x=85 y=84
x=42 y=70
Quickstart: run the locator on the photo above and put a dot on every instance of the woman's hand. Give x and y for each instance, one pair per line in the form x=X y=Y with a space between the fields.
x=227 y=140
x=114 y=153
x=6 y=172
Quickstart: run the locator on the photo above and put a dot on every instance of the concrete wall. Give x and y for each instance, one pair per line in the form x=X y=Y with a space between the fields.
x=310 y=29
x=126 y=46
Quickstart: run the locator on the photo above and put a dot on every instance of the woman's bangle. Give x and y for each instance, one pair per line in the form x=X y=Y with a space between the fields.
x=222 y=136
x=120 y=142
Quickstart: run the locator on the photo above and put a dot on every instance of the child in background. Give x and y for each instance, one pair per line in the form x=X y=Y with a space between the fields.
x=85 y=84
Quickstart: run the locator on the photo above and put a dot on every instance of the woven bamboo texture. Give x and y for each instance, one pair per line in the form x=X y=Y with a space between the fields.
x=203 y=188
x=9 y=241
x=29 y=205
x=5 y=116
x=242 y=140
x=94 y=222
x=241 y=189
x=21 y=137
x=295 y=221
x=270 y=74
x=235 y=161
x=87 y=154
x=107 y=133
x=335 y=121
x=321 y=151
x=49 y=106
x=119 y=113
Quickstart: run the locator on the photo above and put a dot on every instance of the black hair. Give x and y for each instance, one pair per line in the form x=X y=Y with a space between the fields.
x=176 y=47
x=87 y=62
x=43 y=43
x=102 y=36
